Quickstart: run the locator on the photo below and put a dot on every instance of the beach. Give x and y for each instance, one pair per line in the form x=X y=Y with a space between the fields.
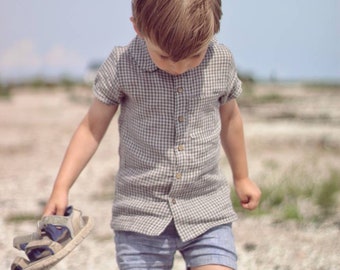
x=292 y=132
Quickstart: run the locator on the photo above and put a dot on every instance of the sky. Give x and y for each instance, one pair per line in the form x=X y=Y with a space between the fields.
x=269 y=39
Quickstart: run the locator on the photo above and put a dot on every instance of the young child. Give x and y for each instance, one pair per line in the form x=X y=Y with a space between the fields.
x=177 y=89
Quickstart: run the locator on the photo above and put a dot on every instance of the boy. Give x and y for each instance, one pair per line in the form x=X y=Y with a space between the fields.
x=176 y=88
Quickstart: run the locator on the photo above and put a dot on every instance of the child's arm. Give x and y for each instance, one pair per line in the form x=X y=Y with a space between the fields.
x=83 y=145
x=232 y=139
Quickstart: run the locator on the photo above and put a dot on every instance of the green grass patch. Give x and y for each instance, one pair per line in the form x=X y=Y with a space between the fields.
x=5 y=92
x=291 y=212
x=326 y=196
x=250 y=98
x=283 y=200
x=21 y=217
x=270 y=98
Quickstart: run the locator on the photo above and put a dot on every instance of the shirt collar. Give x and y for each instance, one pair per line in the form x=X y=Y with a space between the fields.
x=140 y=54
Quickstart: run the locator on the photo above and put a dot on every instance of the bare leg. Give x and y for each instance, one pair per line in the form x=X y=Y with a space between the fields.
x=211 y=267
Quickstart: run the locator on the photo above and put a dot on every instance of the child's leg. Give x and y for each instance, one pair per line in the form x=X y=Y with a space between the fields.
x=213 y=250
x=211 y=267
x=138 y=251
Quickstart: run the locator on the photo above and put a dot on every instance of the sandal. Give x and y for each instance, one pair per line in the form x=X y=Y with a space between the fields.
x=55 y=238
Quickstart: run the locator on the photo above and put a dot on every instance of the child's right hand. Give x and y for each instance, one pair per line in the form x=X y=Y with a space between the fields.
x=83 y=145
x=56 y=205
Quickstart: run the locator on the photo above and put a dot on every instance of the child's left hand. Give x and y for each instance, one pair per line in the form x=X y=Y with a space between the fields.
x=248 y=193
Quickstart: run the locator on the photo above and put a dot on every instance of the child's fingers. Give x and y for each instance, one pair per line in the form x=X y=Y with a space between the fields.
x=54 y=209
x=251 y=203
x=49 y=211
x=61 y=211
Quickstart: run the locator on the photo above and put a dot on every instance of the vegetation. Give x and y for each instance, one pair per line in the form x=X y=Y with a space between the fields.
x=42 y=83
x=21 y=217
x=323 y=86
x=326 y=195
x=4 y=91
x=286 y=199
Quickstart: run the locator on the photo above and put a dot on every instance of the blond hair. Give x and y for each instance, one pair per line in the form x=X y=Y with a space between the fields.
x=178 y=27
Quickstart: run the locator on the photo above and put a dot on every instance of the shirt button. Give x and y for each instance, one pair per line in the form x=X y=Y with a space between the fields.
x=173 y=201
x=178 y=176
x=180 y=147
x=180 y=90
x=180 y=118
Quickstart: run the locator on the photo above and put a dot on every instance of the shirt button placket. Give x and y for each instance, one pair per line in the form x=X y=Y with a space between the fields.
x=180 y=112
x=180 y=109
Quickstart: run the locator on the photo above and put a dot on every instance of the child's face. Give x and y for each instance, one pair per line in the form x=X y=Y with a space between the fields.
x=163 y=61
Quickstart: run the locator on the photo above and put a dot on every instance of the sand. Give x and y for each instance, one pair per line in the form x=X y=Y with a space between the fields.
x=35 y=128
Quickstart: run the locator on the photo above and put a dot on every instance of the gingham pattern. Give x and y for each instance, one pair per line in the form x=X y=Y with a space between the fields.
x=169 y=140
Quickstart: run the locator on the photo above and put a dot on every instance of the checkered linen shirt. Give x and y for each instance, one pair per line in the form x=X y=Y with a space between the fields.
x=169 y=140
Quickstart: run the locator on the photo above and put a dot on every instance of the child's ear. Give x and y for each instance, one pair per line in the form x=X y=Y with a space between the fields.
x=132 y=19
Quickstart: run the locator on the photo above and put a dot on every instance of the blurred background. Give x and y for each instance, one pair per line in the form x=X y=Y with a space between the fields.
x=288 y=57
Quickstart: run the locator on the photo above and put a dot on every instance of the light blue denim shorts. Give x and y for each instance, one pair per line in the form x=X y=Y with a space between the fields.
x=138 y=251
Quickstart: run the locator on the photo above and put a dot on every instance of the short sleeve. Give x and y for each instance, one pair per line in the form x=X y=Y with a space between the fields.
x=233 y=83
x=106 y=86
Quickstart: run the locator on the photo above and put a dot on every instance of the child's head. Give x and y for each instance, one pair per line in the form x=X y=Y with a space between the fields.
x=180 y=28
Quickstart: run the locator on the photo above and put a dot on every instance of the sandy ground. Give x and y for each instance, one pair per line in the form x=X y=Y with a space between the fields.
x=35 y=128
